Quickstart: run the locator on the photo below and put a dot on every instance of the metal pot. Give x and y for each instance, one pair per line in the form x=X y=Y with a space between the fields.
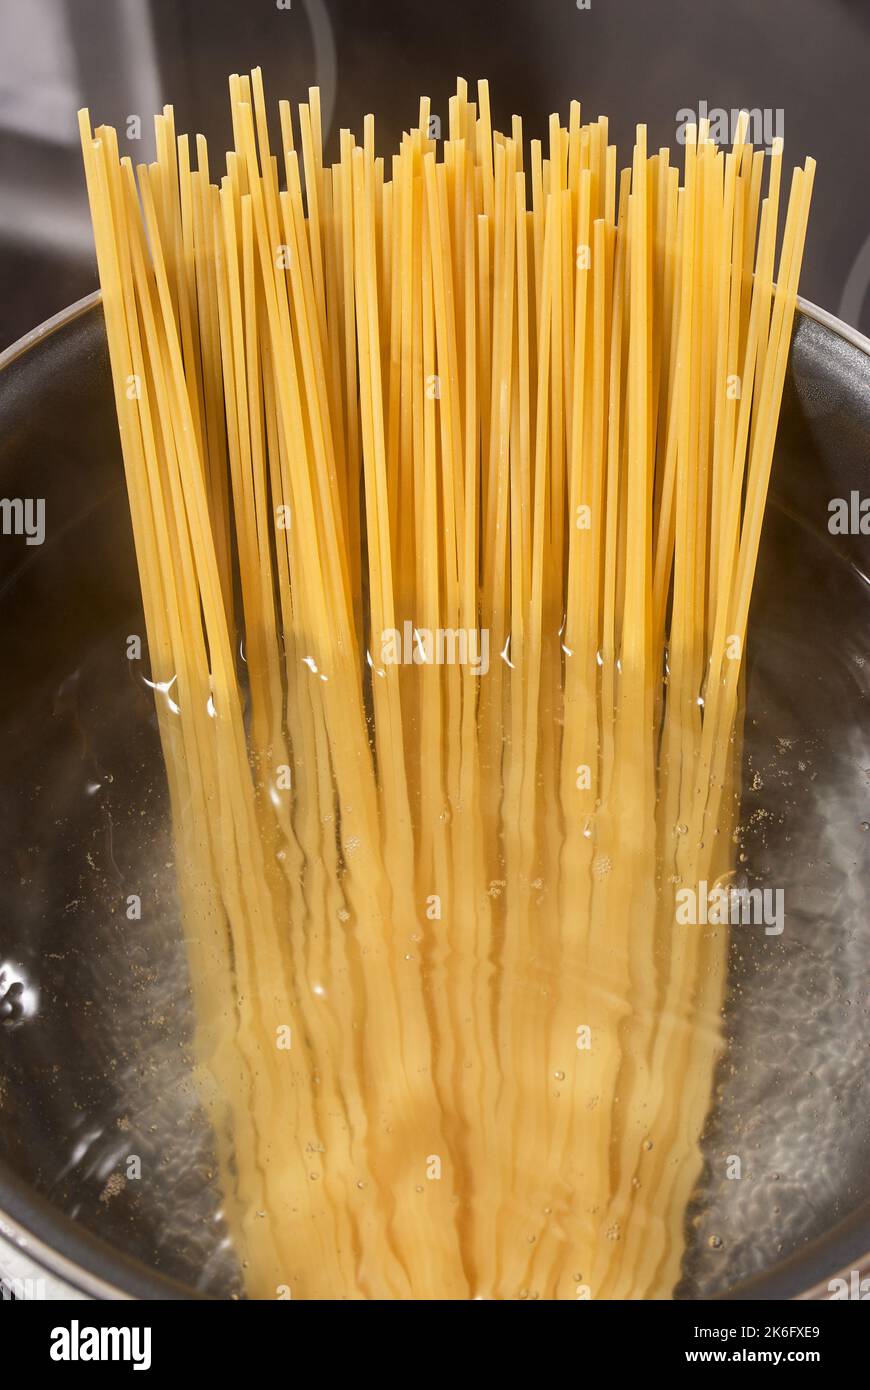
x=94 y=1007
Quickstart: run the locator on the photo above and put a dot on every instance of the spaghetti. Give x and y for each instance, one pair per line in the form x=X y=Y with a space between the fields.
x=453 y=1039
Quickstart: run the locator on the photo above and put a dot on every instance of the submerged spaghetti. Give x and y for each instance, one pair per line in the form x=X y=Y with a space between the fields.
x=447 y=480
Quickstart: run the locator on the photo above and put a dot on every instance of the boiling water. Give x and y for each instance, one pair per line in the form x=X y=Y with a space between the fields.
x=793 y=1090
x=97 y=1004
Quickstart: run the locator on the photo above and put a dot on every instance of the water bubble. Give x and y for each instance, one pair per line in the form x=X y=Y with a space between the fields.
x=601 y=865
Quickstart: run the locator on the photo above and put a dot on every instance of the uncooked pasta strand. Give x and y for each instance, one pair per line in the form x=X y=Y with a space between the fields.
x=447 y=479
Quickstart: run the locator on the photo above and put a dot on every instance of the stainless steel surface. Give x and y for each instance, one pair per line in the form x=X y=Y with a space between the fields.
x=27 y=1271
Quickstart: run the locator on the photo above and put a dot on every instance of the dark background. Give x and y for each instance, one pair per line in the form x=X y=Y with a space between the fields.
x=630 y=59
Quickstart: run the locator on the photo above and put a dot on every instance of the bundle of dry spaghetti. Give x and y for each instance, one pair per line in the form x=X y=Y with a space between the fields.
x=447 y=479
